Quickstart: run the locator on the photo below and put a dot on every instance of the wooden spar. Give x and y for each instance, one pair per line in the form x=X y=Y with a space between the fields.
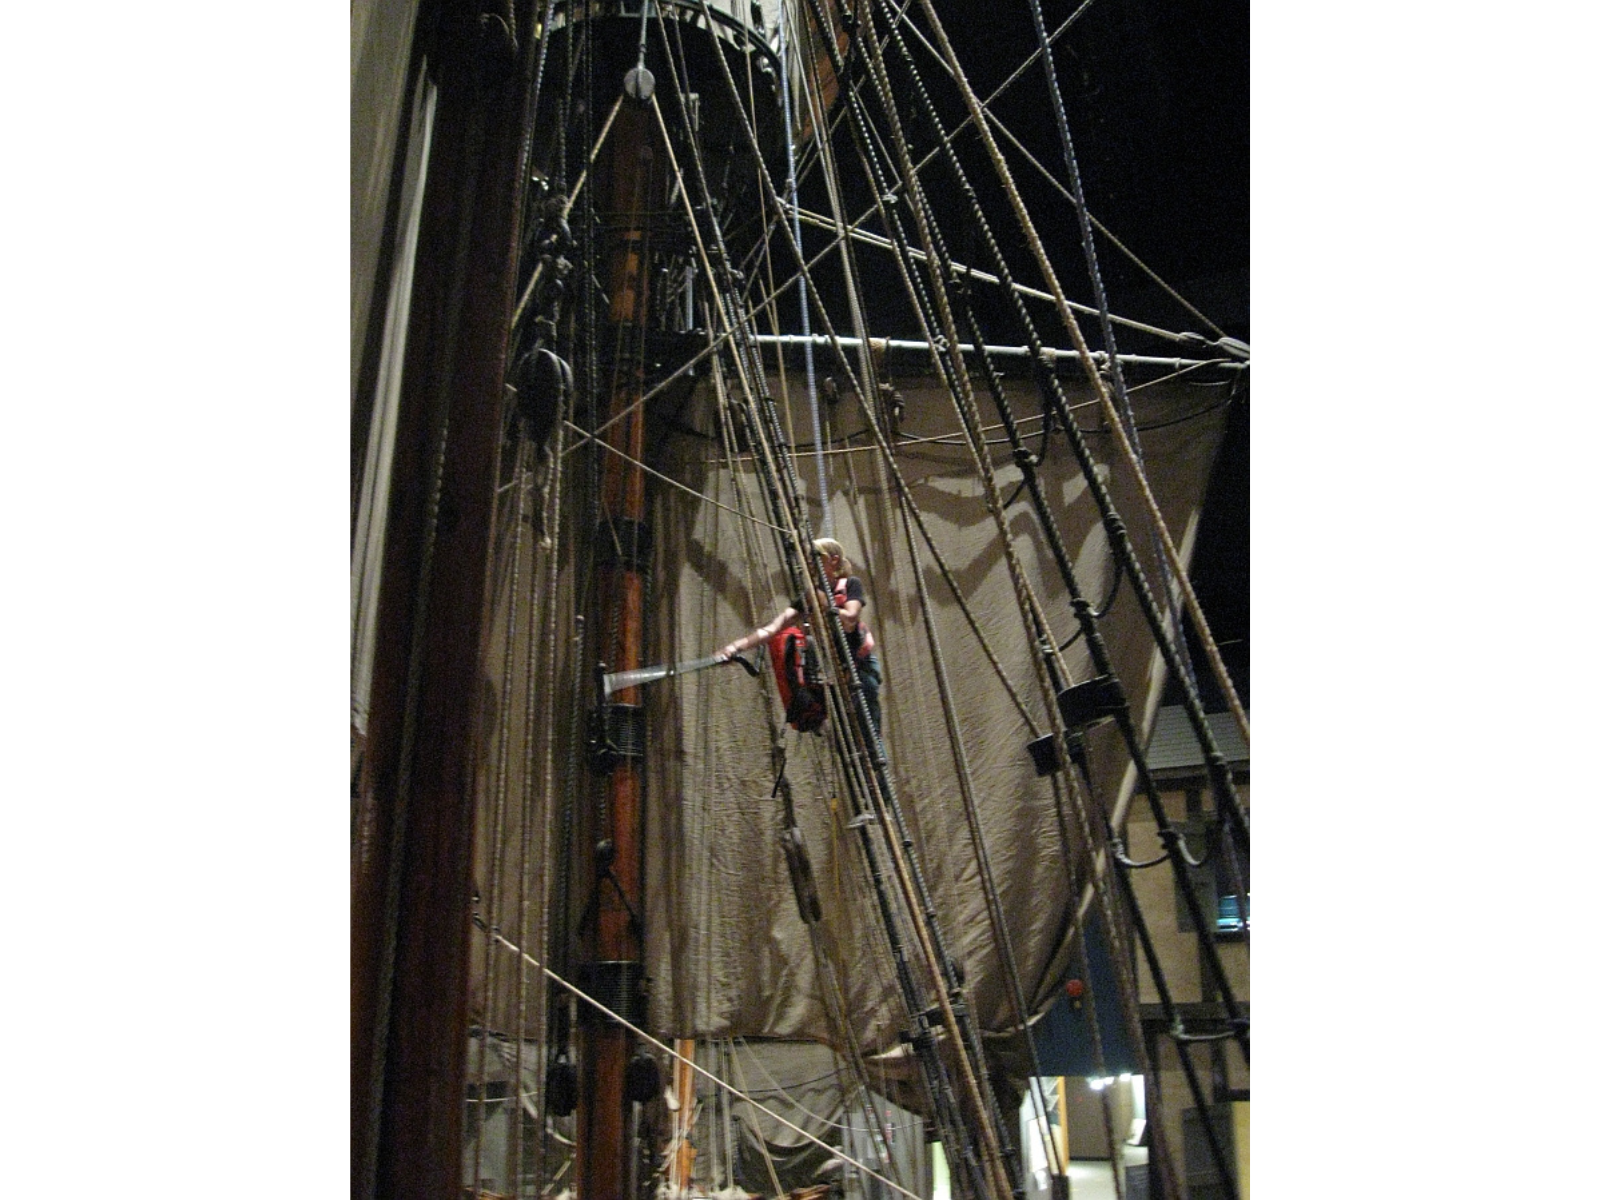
x=411 y=853
x=680 y=1167
x=603 y=1146
x=827 y=79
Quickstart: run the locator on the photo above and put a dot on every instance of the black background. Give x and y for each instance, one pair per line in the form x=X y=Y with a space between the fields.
x=1156 y=99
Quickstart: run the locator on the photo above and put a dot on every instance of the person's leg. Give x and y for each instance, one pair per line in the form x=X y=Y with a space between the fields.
x=871 y=680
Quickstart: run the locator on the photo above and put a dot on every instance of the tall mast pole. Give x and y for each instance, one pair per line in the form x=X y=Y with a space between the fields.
x=613 y=937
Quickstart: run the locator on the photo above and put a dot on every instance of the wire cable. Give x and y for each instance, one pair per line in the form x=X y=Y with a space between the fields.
x=721 y=1084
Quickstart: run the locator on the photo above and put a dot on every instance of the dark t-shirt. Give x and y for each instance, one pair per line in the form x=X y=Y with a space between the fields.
x=853 y=590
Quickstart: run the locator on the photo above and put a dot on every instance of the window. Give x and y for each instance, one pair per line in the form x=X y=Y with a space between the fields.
x=1229 y=919
x=1213 y=882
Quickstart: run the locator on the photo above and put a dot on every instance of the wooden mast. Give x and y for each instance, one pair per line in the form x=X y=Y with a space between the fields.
x=613 y=939
x=411 y=856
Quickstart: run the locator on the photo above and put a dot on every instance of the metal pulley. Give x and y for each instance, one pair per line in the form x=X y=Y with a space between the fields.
x=639 y=83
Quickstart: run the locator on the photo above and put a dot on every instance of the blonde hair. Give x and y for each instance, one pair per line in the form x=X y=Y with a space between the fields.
x=827 y=547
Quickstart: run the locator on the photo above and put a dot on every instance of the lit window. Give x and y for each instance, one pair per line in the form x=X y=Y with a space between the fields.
x=1229 y=919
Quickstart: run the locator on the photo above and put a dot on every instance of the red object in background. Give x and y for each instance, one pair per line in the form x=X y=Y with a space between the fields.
x=1075 y=989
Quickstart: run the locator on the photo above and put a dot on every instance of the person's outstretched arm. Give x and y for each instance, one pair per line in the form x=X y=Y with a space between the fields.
x=765 y=634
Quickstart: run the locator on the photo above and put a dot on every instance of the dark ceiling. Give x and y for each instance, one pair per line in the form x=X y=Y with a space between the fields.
x=1156 y=98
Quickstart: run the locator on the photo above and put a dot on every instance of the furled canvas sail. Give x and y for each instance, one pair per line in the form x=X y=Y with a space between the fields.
x=663 y=858
x=730 y=954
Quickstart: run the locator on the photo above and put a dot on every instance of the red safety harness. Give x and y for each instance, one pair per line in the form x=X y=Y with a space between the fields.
x=795 y=666
x=799 y=677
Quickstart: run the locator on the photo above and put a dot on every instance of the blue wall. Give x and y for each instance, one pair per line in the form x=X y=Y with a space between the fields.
x=1063 y=1036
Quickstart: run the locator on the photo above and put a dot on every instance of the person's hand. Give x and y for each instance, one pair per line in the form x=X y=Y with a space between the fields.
x=728 y=651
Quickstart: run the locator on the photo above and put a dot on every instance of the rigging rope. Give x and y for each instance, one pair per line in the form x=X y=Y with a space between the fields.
x=728 y=339
x=1080 y=605
x=1122 y=958
x=514 y=1150
x=1095 y=642
x=1000 y=929
x=566 y=210
x=722 y=1084
x=987 y=109
x=531 y=59
x=904 y=490
x=1166 y=558
x=784 y=471
x=1220 y=776
x=761 y=1141
x=667 y=479
x=867 y=238
x=793 y=186
x=1000 y=1151
x=953 y=439
x=997 y=921
x=756 y=428
x=1145 y=268
x=1113 y=419
x=502 y=770
x=1010 y=79
x=548 y=693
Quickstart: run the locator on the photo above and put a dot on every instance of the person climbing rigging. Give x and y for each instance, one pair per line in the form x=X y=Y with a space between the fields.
x=849 y=598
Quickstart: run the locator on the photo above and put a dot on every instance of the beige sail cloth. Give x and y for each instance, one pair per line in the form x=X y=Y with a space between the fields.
x=726 y=952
